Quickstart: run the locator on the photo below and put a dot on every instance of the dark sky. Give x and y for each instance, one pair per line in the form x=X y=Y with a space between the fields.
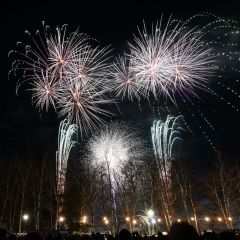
x=111 y=22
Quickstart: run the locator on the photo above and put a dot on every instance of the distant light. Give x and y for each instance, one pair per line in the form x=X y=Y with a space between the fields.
x=61 y=219
x=127 y=219
x=150 y=213
x=179 y=220
x=219 y=219
x=84 y=219
x=106 y=222
x=159 y=220
x=192 y=219
x=25 y=217
x=153 y=221
x=104 y=218
x=229 y=219
x=207 y=219
x=134 y=222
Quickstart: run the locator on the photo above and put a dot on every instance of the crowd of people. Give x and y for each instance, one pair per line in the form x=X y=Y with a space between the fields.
x=178 y=231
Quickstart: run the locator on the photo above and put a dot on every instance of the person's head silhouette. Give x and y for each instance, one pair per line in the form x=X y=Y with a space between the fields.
x=33 y=236
x=183 y=230
x=124 y=234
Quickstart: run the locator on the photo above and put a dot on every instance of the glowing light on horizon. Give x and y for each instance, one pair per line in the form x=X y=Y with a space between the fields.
x=207 y=219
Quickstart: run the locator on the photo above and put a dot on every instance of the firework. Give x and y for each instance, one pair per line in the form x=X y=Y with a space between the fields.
x=82 y=105
x=44 y=90
x=114 y=147
x=124 y=79
x=66 y=134
x=67 y=72
x=169 y=60
x=65 y=143
x=164 y=136
x=62 y=47
x=89 y=67
x=47 y=49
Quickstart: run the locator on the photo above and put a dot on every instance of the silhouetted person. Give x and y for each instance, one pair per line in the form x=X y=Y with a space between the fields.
x=182 y=231
x=145 y=237
x=209 y=236
x=3 y=234
x=161 y=236
x=124 y=234
x=11 y=237
x=34 y=236
x=227 y=235
x=98 y=236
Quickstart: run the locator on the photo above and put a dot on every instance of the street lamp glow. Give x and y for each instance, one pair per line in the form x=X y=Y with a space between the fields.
x=179 y=220
x=61 y=219
x=192 y=218
x=104 y=218
x=134 y=222
x=207 y=219
x=150 y=213
x=229 y=219
x=153 y=221
x=159 y=220
x=127 y=219
x=106 y=222
x=25 y=217
x=84 y=219
x=219 y=219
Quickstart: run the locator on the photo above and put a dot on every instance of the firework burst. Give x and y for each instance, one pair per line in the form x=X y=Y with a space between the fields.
x=67 y=72
x=82 y=105
x=114 y=146
x=45 y=90
x=171 y=59
x=124 y=79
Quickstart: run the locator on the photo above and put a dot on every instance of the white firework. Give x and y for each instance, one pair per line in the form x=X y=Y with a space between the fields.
x=45 y=90
x=191 y=64
x=112 y=148
x=82 y=105
x=89 y=67
x=62 y=47
x=47 y=50
x=124 y=79
x=164 y=136
x=115 y=146
x=66 y=134
x=170 y=59
x=67 y=72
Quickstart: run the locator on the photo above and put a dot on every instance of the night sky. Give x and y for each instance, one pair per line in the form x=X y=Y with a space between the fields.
x=112 y=23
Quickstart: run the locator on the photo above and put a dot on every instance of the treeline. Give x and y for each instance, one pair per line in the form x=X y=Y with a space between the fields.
x=28 y=186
